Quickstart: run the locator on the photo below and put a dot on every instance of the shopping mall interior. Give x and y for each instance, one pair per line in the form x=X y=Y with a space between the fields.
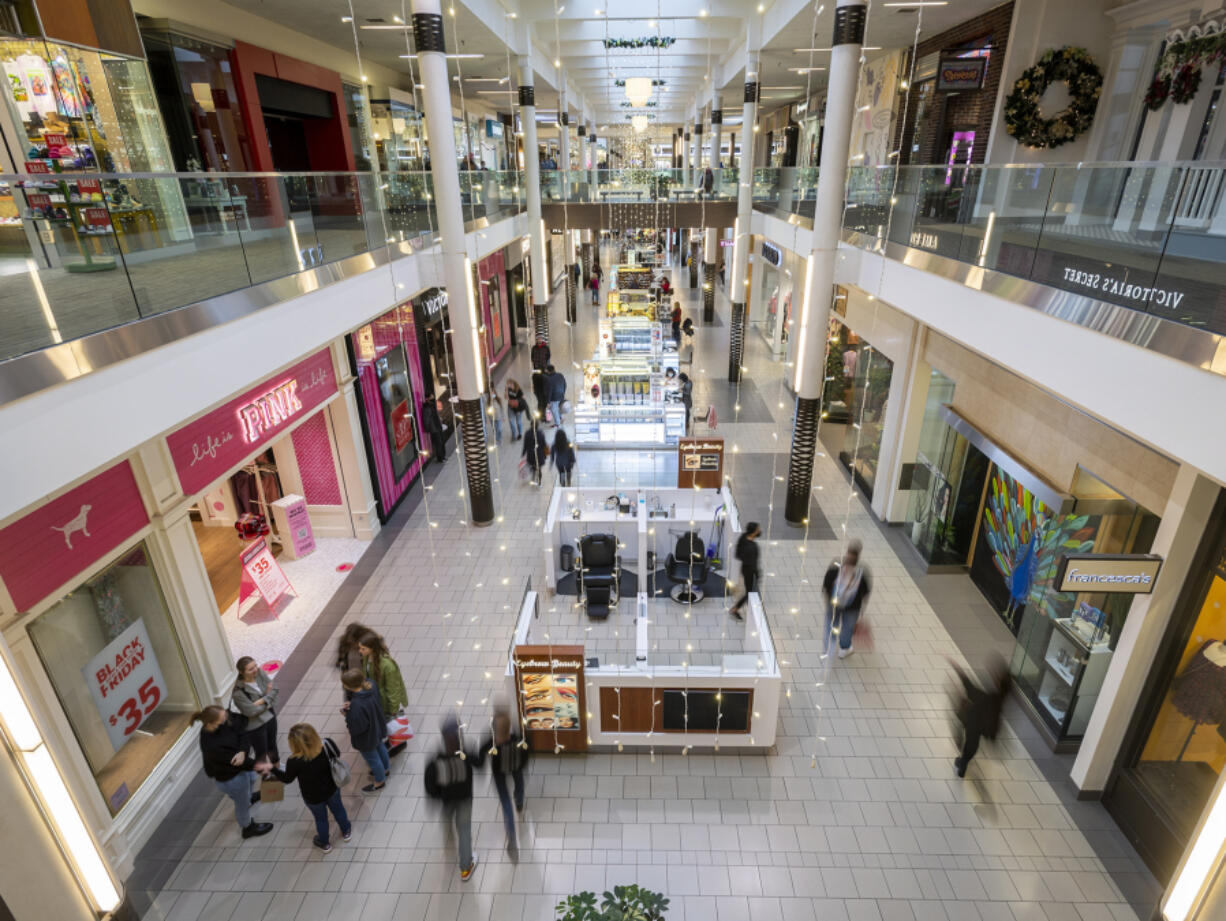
x=749 y=461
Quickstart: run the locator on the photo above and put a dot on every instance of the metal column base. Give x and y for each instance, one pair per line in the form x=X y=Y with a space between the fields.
x=736 y=343
x=476 y=462
x=800 y=462
x=695 y=255
x=585 y=259
x=571 y=315
x=540 y=322
x=708 y=294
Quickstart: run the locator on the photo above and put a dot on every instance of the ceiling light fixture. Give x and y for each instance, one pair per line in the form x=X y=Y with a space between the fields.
x=450 y=57
x=863 y=48
x=919 y=3
x=805 y=70
x=702 y=13
x=638 y=91
x=346 y=19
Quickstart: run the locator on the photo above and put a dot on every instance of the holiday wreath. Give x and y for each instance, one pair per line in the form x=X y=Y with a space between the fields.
x=1023 y=117
x=653 y=41
x=1178 y=76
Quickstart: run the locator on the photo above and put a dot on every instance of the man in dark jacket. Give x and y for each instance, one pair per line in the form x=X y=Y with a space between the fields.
x=228 y=763
x=449 y=779
x=846 y=587
x=556 y=390
x=747 y=553
x=432 y=422
x=508 y=755
x=540 y=383
x=979 y=710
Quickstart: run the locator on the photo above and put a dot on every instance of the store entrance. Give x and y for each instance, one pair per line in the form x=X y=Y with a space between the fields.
x=288 y=143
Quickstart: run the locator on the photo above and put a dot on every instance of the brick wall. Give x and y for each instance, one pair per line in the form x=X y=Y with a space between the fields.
x=946 y=110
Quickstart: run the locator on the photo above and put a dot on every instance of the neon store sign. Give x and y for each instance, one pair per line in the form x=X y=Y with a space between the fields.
x=269 y=410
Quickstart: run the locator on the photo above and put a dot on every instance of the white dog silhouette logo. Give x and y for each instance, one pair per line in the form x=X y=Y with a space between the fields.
x=76 y=524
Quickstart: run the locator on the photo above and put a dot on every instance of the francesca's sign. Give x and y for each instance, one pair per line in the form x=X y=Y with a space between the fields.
x=209 y=447
x=125 y=683
x=45 y=549
x=1122 y=573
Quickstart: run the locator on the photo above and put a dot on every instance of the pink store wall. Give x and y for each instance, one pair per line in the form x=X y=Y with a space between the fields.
x=495 y=306
x=316 y=465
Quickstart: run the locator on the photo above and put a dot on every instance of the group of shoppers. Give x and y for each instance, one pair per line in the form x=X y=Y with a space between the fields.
x=536 y=454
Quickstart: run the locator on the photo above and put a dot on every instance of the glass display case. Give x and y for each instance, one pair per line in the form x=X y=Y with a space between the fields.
x=631 y=303
x=622 y=401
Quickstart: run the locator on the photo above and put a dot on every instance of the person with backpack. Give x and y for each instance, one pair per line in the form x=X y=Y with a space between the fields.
x=449 y=779
x=747 y=552
x=508 y=757
x=316 y=764
x=228 y=763
x=367 y=727
x=979 y=709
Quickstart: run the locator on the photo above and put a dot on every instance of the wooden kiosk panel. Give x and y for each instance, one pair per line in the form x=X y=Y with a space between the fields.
x=700 y=462
x=630 y=710
x=552 y=704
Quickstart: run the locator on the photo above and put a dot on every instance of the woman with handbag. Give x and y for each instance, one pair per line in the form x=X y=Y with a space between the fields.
x=316 y=764
x=516 y=406
x=379 y=666
x=846 y=587
x=253 y=696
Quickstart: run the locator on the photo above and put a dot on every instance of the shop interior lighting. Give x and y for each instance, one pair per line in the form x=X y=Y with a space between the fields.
x=1200 y=866
x=44 y=776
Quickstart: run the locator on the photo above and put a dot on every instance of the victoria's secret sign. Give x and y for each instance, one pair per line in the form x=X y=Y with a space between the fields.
x=207 y=448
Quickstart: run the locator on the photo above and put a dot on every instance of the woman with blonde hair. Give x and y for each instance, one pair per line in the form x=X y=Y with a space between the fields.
x=310 y=763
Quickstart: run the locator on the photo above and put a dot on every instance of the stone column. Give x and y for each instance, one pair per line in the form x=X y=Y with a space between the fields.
x=849 y=17
x=717 y=127
x=710 y=263
x=457 y=268
x=741 y=236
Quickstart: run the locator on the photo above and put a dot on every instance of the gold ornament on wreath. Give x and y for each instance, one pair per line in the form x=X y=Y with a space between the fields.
x=1023 y=116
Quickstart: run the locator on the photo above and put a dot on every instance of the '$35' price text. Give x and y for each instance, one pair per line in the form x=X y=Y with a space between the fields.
x=134 y=712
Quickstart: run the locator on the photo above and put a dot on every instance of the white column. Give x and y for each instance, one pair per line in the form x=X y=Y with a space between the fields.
x=457 y=268
x=532 y=179
x=846 y=46
x=741 y=238
x=687 y=160
x=697 y=154
x=563 y=136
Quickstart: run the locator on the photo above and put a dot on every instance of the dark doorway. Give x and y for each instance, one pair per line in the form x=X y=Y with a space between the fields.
x=287 y=143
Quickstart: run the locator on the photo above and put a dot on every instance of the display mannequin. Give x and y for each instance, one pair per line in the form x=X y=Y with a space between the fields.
x=1199 y=691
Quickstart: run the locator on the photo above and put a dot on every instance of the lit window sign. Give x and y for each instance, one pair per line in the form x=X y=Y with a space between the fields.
x=269 y=410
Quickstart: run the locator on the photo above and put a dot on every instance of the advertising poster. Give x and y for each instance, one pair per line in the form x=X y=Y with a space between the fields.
x=126 y=683
x=263 y=570
x=395 y=398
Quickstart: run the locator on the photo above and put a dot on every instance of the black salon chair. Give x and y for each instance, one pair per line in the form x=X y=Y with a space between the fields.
x=686 y=567
x=599 y=568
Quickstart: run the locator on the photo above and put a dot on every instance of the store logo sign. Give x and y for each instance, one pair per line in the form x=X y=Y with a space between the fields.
x=1113 y=573
x=771 y=254
x=432 y=303
x=1120 y=291
x=269 y=410
x=924 y=240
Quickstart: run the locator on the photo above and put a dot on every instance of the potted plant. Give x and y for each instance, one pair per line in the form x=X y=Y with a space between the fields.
x=624 y=903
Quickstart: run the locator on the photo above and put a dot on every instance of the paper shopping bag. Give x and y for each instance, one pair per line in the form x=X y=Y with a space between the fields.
x=399 y=730
x=272 y=791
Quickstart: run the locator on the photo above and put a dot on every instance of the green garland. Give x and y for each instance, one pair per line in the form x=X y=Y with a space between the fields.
x=627 y=104
x=622 y=83
x=1023 y=117
x=652 y=41
x=1178 y=75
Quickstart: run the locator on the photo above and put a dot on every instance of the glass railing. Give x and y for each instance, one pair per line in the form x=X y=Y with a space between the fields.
x=636 y=186
x=83 y=253
x=1151 y=237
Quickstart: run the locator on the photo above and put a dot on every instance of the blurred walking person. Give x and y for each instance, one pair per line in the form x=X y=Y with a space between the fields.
x=979 y=708
x=449 y=779
x=747 y=552
x=508 y=758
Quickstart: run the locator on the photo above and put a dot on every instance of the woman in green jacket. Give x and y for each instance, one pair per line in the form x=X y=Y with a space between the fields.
x=382 y=669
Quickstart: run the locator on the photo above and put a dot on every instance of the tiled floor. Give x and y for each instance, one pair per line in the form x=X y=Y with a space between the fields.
x=855 y=814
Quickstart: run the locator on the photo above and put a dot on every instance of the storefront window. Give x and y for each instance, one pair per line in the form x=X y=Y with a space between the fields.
x=113 y=657
x=1185 y=749
x=358 y=119
x=853 y=405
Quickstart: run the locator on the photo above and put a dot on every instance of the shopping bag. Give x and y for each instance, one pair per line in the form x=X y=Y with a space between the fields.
x=399 y=729
x=548 y=414
x=565 y=407
x=525 y=472
x=862 y=635
x=272 y=791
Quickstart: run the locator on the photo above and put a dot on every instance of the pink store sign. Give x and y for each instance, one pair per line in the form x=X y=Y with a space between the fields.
x=45 y=549
x=207 y=449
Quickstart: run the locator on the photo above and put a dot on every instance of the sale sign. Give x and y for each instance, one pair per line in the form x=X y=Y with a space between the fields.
x=262 y=568
x=96 y=217
x=89 y=186
x=402 y=425
x=125 y=683
x=57 y=146
x=38 y=166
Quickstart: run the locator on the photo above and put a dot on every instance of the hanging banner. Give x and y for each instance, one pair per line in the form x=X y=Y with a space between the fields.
x=261 y=567
x=126 y=683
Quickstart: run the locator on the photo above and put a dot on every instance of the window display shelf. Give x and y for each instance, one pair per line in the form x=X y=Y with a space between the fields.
x=1062 y=671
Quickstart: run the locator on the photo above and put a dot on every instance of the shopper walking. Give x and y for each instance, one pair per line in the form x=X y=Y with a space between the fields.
x=379 y=666
x=253 y=696
x=676 y=317
x=516 y=407
x=594 y=285
x=540 y=387
x=228 y=763
x=449 y=779
x=980 y=707
x=747 y=552
x=708 y=183
x=563 y=457
x=723 y=279
x=310 y=763
x=508 y=757
x=347 y=654
x=432 y=422
x=556 y=383
x=366 y=725
x=535 y=452
x=846 y=587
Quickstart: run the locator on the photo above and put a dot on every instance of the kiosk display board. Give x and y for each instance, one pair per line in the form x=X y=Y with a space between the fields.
x=550 y=691
x=700 y=462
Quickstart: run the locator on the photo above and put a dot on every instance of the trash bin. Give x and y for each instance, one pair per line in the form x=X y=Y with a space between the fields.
x=568 y=558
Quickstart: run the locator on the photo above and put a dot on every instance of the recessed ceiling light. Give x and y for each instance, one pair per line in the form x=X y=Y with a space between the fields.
x=702 y=12
x=920 y=3
x=346 y=19
x=863 y=48
x=450 y=57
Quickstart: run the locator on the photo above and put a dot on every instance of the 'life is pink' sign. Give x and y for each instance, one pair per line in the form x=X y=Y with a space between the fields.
x=45 y=549
x=209 y=447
